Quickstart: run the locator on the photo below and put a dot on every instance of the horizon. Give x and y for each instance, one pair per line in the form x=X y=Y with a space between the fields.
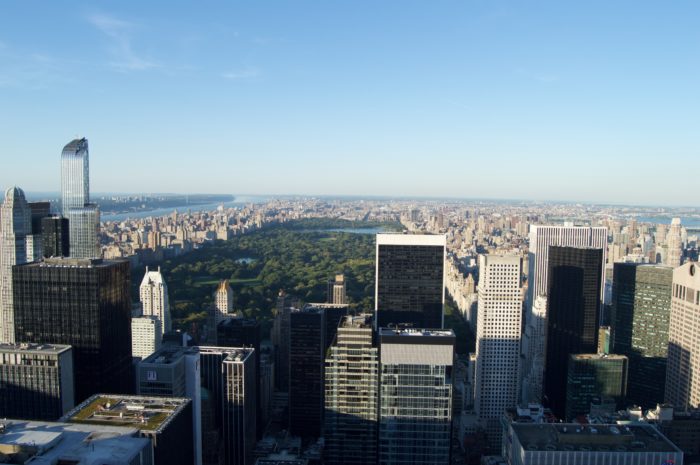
x=453 y=100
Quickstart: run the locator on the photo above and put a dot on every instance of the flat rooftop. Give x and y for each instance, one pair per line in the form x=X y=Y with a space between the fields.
x=33 y=348
x=438 y=240
x=598 y=357
x=416 y=332
x=167 y=355
x=602 y=438
x=67 y=262
x=147 y=414
x=46 y=443
x=361 y=321
x=233 y=354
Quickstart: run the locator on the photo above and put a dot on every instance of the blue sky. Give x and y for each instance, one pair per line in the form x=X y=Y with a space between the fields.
x=591 y=101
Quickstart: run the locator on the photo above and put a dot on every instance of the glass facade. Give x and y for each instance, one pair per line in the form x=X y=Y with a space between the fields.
x=641 y=309
x=410 y=285
x=415 y=425
x=573 y=314
x=83 y=303
x=594 y=376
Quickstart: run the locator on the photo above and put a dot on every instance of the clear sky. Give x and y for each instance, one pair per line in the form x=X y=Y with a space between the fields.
x=560 y=100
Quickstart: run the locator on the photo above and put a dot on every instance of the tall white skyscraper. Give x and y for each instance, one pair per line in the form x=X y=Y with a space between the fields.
x=683 y=369
x=498 y=329
x=154 y=298
x=15 y=228
x=541 y=238
x=83 y=216
x=223 y=301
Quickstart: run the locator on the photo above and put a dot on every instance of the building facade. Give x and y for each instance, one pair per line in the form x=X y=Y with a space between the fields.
x=415 y=395
x=146 y=335
x=683 y=370
x=83 y=216
x=153 y=294
x=85 y=304
x=306 y=360
x=15 y=227
x=54 y=233
x=573 y=314
x=500 y=313
x=337 y=290
x=223 y=302
x=36 y=381
x=351 y=394
x=593 y=376
x=410 y=280
x=641 y=310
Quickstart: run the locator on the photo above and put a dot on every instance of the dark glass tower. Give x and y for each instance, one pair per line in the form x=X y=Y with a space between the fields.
x=573 y=312
x=54 y=234
x=410 y=286
x=243 y=332
x=641 y=308
x=306 y=360
x=594 y=376
x=83 y=303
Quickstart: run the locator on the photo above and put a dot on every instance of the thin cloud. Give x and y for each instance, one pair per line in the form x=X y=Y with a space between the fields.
x=249 y=72
x=120 y=33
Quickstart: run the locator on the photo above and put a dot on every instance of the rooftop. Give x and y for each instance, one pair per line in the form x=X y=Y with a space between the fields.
x=47 y=443
x=35 y=348
x=411 y=239
x=233 y=354
x=602 y=438
x=363 y=320
x=167 y=355
x=67 y=262
x=598 y=357
x=415 y=332
x=148 y=414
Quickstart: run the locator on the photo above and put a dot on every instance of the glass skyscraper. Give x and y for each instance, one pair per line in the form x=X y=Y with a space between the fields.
x=83 y=216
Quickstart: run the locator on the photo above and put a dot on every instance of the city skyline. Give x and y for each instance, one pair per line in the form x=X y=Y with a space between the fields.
x=523 y=94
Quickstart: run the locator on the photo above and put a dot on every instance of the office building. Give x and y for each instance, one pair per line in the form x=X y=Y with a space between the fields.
x=573 y=312
x=85 y=304
x=593 y=376
x=167 y=422
x=567 y=444
x=541 y=239
x=337 y=290
x=415 y=395
x=53 y=443
x=35 y=244
x=229 y=411
x=333 y=314
x=15 y=227
x=223 y=302
x=498 y=324
x=83 y=216
x=683 y=370
x=641 y=309
x=243 y=332
x=410 y=280
x=175 y=372
x=306 y=360
x=154 y=298
x=36 y=381
x=146 y=335
x=351 y=394
x=54 y=233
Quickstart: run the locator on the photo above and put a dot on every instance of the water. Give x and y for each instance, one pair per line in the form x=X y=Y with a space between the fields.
x=688 y=222
x=237 y=202
x=245 y=260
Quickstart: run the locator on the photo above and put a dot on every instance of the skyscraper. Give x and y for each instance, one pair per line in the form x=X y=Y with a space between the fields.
x=533 y=348
x=15 y=226
x=351 y=394
x=83 y=216
x=415 y=412
x=228 y=384
x=573 y=313
x=54 y=232
x=39 y=211
x=594 y=376
x=675 y=245
x=683 y=370
x=306 y=360
x=83 y=303
x=36 y=381
x=641 y=309
x=410 y=280
x=154 y=298
x=498 y=341
x=223 y=302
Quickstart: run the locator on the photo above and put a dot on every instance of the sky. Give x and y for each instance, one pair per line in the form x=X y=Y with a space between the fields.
x=546 y=100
